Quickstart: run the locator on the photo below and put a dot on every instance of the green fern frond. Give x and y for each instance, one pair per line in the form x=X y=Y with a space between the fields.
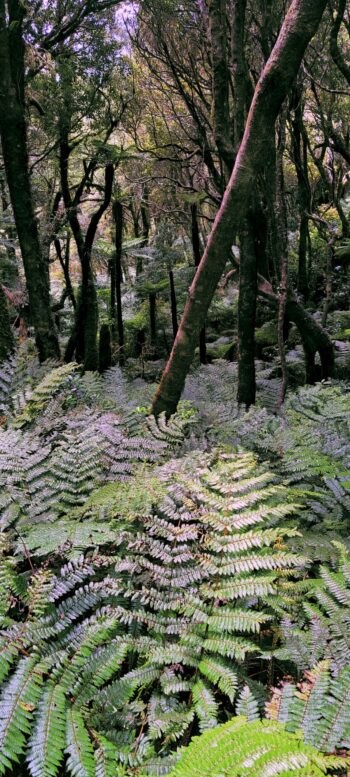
x=53 y=382
x=205 y=705
x=254 y=749
x=79 y=750
x=48 y=738
x=247 y=705
x=18 y=701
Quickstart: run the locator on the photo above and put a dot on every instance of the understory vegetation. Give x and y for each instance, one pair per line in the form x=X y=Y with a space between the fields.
x=174 y=388
x=159 y=578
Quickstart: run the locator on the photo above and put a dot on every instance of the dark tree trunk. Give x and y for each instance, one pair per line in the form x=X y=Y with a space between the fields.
x=118 y=220
x=220 y=81
x=104 y=350
x=173 y=304
x=13 y=133
x=304 y=195
x=197 y=258
x=83 y=339
x=314 y=339
x=64 y=262
x=246 y=317
x=335 y=50
x=300 y=24
x=7 y=343
x=242 y=86
x=153 y=318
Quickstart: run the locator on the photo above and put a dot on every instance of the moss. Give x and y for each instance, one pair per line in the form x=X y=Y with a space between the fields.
x=267 y=334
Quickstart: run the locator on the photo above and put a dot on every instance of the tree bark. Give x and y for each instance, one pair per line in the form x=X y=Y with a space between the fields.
x=246 y=317
x=220 y=81
x=118 y=220
x=13 y=132
x=197 y=258
x=242 y=85
x=299 y=149
x=173 y=304
x=7 y=343
x=152 y=298
x=300 y=24
x=336 y=53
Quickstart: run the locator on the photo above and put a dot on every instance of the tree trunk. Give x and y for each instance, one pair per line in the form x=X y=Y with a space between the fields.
x=246 y=317
x=173 y=304
x=104 y=349
x=153 y=318
x=197 y=258
x=300 y=24
x=314 y=339
x=118 y=220
x=220 y=81
x=7 y=343
x=13 y=134
x=242 y=85
x=304 y=195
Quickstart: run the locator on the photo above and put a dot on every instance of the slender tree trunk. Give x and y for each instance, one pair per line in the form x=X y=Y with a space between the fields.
x=197 y=258
x=220 y=81
x=304 y=195
x=173 y=304
x=246 y=317
x=335 y=50
x=242 y=88
x=118 y=220
x=104 y=349
x=153 y=318
x=64 y=262
x=13 y=134
x=282 y=249
x=300 y=24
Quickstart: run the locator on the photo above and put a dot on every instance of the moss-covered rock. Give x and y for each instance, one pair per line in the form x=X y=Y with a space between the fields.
x=267 y=335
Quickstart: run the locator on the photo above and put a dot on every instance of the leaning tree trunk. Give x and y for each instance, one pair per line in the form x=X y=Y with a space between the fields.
x=300 y=24
x=13 y=134
x=314 y=339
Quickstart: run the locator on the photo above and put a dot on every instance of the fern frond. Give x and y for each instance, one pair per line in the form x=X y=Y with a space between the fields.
x=48 y=738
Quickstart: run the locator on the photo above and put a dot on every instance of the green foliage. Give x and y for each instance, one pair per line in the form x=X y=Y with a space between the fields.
x=43 y=394
x=319 y=706
x=253 y=750
x=327 y=615
x=150 y=637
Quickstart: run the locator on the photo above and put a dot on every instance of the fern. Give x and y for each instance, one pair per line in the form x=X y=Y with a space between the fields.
x=319 y=705
x=258 y=748
x=135 y=645
x=326 y=611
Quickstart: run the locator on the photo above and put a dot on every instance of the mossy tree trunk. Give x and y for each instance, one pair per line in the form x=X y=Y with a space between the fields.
x=13 y=132
x=275 y=82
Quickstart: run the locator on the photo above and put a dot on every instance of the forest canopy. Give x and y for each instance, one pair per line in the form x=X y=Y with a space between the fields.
x=174 y=388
